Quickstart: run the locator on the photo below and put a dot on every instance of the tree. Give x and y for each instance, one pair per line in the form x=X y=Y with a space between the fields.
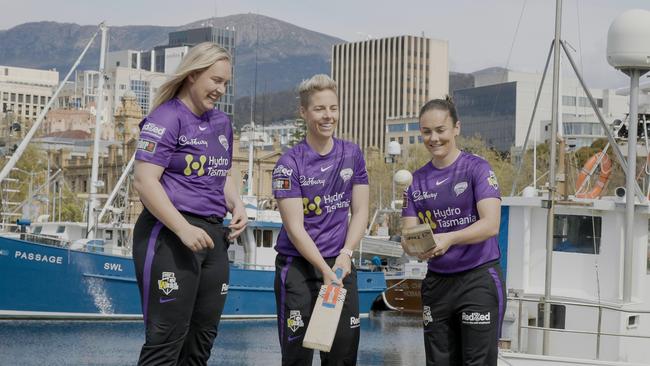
x=299 y=133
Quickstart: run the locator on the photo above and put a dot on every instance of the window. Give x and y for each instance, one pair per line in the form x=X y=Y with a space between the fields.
x=397 y=127
x=37 y=230
x=400 y=140
x=558 y=316
x=263 y=238
x=577 y=234
x=415 y=126
x=108 y=235
x=568 y=100
x=60 y=229
x=411 y=140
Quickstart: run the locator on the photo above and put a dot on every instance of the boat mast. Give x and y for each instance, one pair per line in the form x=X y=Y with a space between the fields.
x=630 y=183
x=552 y=178
x=23 y=145
x=94 y=182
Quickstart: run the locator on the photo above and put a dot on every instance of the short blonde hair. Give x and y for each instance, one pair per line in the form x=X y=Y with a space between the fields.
x=315 y=84
x=198 y=59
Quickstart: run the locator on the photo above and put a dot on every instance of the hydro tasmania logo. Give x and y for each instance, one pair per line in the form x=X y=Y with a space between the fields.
x=475 y=318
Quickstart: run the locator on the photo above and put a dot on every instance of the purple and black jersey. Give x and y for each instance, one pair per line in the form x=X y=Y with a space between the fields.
x=446 y=200
x=196 y=152
x=325 y=185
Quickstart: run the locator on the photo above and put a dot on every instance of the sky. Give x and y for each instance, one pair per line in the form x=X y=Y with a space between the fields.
x=481 y=33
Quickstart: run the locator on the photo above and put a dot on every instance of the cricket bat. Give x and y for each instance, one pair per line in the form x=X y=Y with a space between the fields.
x=418 y=239
x=325 y=317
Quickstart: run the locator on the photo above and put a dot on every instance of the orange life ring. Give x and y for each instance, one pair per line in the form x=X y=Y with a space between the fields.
x=605 y=171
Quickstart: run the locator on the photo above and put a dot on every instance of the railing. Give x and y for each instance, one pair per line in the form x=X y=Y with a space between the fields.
x=598 y=333
x=244 y=265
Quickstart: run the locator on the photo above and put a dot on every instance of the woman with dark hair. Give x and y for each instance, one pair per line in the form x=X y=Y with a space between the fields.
x=180 y=246
x=457 y=194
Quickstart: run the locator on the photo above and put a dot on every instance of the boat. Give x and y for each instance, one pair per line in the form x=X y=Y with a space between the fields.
x=577 y=267
x=71 y=270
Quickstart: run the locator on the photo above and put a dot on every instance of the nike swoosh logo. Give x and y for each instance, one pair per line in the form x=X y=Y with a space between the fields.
x=166 y=299
x=291 y=339
x=439 y=182
x=325 y=169
x=203 y=128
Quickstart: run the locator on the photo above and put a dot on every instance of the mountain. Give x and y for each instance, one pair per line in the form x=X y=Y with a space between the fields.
x=285 y=53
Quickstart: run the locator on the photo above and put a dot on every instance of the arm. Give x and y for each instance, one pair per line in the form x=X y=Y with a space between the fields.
x=293 y=218
x=155 y=199
x=356 y=227
x=236 y=207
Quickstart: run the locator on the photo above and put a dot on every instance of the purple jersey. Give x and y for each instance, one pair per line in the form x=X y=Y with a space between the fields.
x=325 y=185
x=446 y=199
x=196 y=153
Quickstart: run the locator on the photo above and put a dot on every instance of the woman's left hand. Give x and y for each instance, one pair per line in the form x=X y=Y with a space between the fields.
x=344 y=262
x=443 y=243
x=238 y=222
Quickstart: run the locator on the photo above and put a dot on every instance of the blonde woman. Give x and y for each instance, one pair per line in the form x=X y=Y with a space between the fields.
x=180 y=244
x=317 y=183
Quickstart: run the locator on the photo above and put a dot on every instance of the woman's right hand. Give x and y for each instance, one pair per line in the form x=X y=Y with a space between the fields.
x=330 y=277
x=195 y=238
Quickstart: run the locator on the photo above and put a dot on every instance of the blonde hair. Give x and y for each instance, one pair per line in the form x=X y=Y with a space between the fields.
x=315 y=84
x=197 y=60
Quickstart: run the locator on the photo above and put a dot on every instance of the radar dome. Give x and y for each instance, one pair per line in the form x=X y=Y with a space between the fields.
x=628 y=41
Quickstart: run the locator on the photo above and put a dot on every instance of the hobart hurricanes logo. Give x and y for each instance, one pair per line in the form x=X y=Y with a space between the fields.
x=167 y=283
x=195 y=166
x=295 y=320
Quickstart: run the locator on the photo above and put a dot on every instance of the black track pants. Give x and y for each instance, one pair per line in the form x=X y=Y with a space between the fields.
x=182 y=292
x=462 y=315
x=297 y=284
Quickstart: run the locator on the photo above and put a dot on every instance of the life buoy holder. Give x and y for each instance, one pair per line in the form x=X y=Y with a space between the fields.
x=603 y=177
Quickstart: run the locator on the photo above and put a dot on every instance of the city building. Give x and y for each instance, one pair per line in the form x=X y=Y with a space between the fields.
x=499 y=107
x=406 y=131
x=386 y=78
x=24 y=92
x=167 y=57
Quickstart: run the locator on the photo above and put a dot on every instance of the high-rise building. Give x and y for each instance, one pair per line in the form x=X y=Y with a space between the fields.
x=386 y=78
x=24 y=93
x=498 y=109
x=166 y=58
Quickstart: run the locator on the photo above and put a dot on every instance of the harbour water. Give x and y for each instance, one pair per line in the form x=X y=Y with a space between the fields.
x=387 y=338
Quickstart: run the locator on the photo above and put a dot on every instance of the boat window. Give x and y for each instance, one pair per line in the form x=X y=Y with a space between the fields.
x=37 y=230
x=558 y=316
x=108 y=235
x=60 y=229
x=258 y=237
x=577 y=234
x=268 y=239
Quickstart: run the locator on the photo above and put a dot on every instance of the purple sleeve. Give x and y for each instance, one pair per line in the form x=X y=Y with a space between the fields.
x=484 y=182
x=285 y=181
x=158 y=137
x=408 y=209
x=360 y=172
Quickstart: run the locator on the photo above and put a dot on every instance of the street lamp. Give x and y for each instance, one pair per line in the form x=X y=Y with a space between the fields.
x=394 y=150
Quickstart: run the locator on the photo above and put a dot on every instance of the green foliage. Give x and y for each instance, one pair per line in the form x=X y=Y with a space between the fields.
x=299 y=134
